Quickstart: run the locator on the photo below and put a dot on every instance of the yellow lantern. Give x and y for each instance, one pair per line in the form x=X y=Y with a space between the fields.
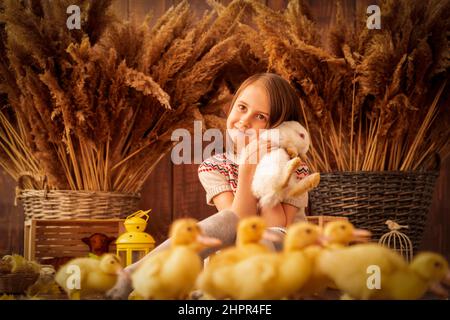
x=135 y=243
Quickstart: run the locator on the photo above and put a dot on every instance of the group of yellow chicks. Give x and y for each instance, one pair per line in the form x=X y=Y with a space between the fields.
x=312 y=260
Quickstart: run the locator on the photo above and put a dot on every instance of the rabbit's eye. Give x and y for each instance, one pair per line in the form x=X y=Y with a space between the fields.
x=302 y=135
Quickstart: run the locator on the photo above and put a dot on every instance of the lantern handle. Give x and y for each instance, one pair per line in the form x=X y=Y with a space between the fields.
x=140 y=214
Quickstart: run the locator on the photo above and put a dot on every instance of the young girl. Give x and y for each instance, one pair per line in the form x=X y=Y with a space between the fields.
x=263 y=101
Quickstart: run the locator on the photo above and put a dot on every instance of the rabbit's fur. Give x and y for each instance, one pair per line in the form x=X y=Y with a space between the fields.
x=273 y=180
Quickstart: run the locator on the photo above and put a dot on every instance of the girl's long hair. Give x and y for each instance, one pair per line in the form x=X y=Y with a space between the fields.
x=284 y=102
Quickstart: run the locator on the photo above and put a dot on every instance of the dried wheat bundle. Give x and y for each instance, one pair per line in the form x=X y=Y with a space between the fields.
x=293 y=46
x=372 y=99
x=190 y=66
x=15 y=156
x=403 y=70
x=36 y=45
x=102 y=103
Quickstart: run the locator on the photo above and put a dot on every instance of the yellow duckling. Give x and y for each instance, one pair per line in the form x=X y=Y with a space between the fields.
x=82 y=277
x=425 y=272
x=336 y=235
x=171 y=274
x=249 y=234
x=350 y=268
x=275 y=275
x=340 y=233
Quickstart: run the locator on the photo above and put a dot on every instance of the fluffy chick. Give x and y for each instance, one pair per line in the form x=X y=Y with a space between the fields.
x=89 y=276
x=249 y=234
x=341 y=233
x=348 y=267
x=336 y=234
x=171 y=274
x=275 y=275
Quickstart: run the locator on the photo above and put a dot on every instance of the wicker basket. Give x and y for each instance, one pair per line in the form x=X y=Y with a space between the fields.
x=368 y=199
x=16 y=283
x=70 y=204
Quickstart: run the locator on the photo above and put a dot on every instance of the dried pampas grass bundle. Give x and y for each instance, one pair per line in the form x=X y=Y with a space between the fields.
x=372 y=100
x=96 y=108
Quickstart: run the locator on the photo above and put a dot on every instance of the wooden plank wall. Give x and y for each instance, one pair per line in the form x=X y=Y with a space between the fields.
x=174 y=191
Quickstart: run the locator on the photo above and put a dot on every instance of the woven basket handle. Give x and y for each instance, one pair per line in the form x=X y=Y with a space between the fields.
x=40 y=183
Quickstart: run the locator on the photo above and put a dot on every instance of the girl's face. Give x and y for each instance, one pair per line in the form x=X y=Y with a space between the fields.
x=250 y=112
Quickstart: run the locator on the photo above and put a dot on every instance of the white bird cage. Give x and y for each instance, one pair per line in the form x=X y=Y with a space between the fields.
x=397 y=240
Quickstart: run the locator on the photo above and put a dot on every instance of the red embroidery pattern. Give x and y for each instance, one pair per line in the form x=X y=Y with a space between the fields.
x=221 y=164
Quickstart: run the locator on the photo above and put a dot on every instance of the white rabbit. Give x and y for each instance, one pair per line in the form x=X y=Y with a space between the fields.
x=273 y=180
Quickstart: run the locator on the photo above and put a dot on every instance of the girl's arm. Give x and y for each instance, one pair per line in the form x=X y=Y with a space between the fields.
x=223 y=200
x=291 y=212
x=275 y=216
x=282 y=215
x=243 y=203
